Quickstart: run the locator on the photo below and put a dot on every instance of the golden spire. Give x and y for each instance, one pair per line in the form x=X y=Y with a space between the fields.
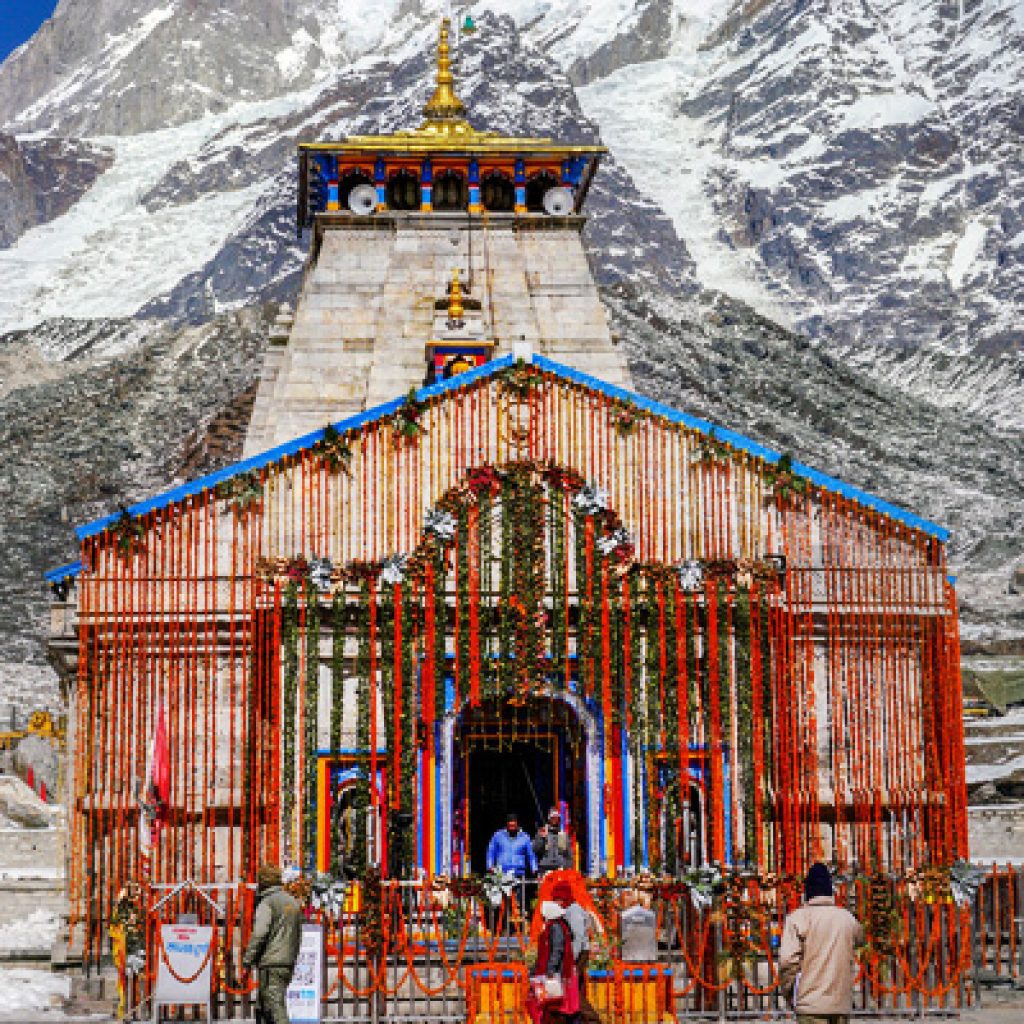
x=444 y=105
x=455 y=310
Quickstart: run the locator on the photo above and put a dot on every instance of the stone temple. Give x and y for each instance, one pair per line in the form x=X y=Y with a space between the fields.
x=462 y=569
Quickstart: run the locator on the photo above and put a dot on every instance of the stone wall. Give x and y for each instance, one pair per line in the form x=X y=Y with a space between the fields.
x=996 y=832
x=31 y=872
x=366 y=311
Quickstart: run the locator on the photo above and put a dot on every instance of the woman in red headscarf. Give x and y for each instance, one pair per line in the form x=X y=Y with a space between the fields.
x=554 y=988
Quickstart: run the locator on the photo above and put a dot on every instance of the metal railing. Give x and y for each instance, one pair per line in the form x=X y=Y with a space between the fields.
x=443 y=951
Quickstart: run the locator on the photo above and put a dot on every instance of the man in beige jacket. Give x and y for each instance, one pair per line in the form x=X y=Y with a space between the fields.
x=818 y=955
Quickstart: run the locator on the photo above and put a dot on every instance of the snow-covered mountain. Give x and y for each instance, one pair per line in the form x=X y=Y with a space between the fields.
x=847 y=172
x=857 y=163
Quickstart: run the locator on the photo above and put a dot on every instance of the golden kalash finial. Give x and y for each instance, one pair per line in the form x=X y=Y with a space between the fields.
x=455 y=310
x=444 y=105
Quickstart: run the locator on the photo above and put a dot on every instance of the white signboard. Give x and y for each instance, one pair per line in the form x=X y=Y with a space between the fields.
x=185 y=965
x=304 y=990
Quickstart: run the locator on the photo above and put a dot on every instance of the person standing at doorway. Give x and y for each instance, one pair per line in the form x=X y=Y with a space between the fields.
x=274 y=945
x=510 y=849
x=551 y=844
x=511 y=853
x=817 y=961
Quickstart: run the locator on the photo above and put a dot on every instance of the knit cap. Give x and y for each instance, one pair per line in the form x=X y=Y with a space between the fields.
x=818 y=882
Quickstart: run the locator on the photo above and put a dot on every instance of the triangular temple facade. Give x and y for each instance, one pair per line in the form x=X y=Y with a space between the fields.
x=497 y=579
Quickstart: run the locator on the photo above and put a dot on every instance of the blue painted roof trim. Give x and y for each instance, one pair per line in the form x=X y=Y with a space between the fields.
x=743 y=444
x=63 y=572
x=486 y=370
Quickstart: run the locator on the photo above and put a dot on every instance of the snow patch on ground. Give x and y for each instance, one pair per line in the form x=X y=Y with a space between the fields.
x=37 y=931
x=109 y=255
x=967 y=251
x=881 y=109
x=670 y=157
x=292 y=60
x=22 y=988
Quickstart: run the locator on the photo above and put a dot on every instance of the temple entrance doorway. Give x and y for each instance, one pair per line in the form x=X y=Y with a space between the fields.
x=520 y=779
x=524 y=757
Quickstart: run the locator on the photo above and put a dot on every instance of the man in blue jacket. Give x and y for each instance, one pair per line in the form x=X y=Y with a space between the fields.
x=511 y=850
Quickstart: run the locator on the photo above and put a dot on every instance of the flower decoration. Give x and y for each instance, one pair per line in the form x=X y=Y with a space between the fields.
x=406 y=421
x=334 y=449
x=128 y=531
x=486 y=480
x=691 y=575
x=440 y=524
x=321 y=572
x=519 y=380
x=591 y=500
x=703 y=885
x=497 y=885
x=784 y=482
x=617 y=542
x=243 y=491
x=964 y=881
x=710 y=449
x=625 y=418
x=127 y=914
x=296 y=569
x=392 y=570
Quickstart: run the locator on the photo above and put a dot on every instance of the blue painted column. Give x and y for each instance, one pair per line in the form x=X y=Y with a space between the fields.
x=381 y=181
x=427 y=187
x=474 y=187
x=333 y=202
x=520 y=181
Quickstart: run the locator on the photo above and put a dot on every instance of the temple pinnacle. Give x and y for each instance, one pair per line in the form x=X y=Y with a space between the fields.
x=444 y=105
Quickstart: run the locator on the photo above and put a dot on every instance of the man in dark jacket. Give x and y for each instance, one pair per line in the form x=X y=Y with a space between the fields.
x=274 y=945
x=551 y=845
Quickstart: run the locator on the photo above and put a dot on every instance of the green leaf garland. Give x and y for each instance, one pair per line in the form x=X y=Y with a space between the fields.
x=311 y=713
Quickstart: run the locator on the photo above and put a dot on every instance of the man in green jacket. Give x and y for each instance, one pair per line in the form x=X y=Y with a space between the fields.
x=274 y=945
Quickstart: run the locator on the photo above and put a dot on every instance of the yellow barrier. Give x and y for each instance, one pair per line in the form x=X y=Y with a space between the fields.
x=633 y=994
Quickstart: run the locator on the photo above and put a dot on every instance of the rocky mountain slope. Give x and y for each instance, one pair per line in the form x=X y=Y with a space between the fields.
x=808 y=227
x=41 y=179
x=113 y=417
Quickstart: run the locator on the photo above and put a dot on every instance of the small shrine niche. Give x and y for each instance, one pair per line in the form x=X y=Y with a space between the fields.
x=458 y=341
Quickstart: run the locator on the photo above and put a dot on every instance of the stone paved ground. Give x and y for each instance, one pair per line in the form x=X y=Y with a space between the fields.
x=1001 y=1014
